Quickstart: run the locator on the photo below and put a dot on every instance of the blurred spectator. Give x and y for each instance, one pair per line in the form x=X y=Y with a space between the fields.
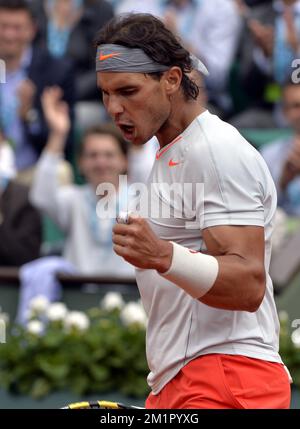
x=20 y=225
x=179 y=15
x=28 y=71
x=215 y=40
x=283 y=156
x=286 y=38
x=88 y=238
x=270 y=43
x=67 y=28
x=88 y=244
x=61 y=18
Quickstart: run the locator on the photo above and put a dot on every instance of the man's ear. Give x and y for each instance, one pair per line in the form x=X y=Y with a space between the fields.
x=172 y=80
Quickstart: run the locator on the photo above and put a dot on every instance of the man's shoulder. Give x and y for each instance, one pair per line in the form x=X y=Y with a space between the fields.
x=218 y=135
x=215 y=145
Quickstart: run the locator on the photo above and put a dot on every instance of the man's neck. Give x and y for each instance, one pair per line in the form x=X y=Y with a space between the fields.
x=182 y=115
x=13 y=63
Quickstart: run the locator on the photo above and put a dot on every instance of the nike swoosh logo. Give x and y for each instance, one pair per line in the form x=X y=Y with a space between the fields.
x=173 y=164
x=105 y=57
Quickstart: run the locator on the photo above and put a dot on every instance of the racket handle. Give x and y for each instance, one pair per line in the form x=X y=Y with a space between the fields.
x=97 y=405
x=123 y=217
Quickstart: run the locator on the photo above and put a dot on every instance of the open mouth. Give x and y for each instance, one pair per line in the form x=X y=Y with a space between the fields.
x=127 y=130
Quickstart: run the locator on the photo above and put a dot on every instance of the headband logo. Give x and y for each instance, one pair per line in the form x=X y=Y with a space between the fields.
x=103 y=57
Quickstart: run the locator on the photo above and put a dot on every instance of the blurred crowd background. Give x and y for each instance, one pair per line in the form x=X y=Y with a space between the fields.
x=56 y=142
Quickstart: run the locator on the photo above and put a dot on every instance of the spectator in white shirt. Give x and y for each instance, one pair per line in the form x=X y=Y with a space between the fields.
x=88 y=238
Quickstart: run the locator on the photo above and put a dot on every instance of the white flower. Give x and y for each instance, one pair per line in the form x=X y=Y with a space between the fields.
x=77 y=320
x=132 y=313
x=296 y=338
x=56 y=312
x=112 y=300
x=35 y=327
x=38 y=305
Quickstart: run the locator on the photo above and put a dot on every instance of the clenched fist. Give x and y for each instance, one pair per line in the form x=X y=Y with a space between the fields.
x=138 y=245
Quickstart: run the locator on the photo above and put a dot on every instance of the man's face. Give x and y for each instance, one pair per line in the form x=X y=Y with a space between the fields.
x=16 y=32
x=180 y=3
x=291 y=105
x=102 y=159
x=138 y=104
x=289 y=2
x=64 y=8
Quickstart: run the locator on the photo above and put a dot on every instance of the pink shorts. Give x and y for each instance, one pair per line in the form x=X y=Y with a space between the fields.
x=219 y=381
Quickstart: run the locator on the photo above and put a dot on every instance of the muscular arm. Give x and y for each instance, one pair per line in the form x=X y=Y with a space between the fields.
x=240 y=284
x=241 y=281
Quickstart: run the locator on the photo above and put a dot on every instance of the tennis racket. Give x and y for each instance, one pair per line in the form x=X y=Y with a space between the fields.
x=100 y=405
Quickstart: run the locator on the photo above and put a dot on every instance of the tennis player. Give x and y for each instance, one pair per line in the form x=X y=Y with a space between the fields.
x=212 y=336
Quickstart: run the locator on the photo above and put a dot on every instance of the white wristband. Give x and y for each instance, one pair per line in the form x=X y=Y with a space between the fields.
x=192 y=271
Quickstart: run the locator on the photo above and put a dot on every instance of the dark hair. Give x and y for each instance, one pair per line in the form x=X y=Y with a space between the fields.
x=148 y=33
x=17 y=5
x=104 y=130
